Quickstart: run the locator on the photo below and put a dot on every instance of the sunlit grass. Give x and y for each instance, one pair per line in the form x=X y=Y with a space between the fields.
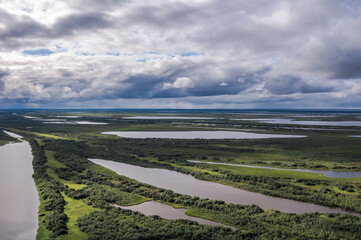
x=75 y=209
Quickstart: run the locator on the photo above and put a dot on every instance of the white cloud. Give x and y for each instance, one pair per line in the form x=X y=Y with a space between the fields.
x=146 y=49
x=180 y=82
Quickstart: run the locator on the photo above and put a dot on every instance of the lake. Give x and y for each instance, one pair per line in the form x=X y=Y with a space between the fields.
x=19 y=197
x=326 y=173
x=187 y=184
x=291 y=121
x=74 y=122
x=201 y=135
x=166 y=211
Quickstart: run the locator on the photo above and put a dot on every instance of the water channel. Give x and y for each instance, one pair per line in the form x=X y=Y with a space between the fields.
x=201 y=135
x=19 y=198
x=187 y=184
x=166 y=211
x=326 y=173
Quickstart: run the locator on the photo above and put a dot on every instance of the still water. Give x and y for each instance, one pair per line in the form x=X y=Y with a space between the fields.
x=166 y=118
x=316 y=123
x=187 y=184
x=201 y=135
x=19 y=198
x=166 y=211
x=326 y=173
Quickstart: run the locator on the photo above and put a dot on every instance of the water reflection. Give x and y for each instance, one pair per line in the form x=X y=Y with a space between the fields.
x=187 y=184
x=201 y=135
x=19 y=199
x=167 y=118
x=326 y=173
x=166 y=211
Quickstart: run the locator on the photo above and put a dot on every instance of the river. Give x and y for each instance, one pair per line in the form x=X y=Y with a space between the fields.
x=201 y=135
x=187 y=184
x=19 y=197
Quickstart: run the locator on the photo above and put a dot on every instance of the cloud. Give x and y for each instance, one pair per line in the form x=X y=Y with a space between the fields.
x=290 y=85
x=21 y=30
x=3 y=74
x=191 y=53
x=356 y=89
x=180 y=82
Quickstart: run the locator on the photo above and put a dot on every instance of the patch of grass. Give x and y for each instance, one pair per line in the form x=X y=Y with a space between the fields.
x=268 y=172
x=102 y=170
x=75 y=186
x=74 y=210
x=42 y=232
x=196 y=212
x=51 y=160
x=3 y=142
x=52 y=174
x=279 y=173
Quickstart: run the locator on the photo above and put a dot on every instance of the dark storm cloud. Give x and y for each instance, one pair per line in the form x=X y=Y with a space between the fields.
x=339 y=64
x=165 y=15
x=289 y=85
x=72 y=23
x=18 y=28
x=22 y=30
x=347 y=66
x=163 y=86
x=3 y=74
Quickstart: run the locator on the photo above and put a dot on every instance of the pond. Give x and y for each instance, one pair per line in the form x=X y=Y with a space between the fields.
x=166 y=211
x=326 y=173
x=291 y=121
x=19 y=197
x=187 y=184
x=201 y=135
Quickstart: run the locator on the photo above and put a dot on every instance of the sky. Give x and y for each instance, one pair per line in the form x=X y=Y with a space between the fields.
x=180 y=54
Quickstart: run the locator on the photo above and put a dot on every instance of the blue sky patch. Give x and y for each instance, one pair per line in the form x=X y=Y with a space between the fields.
x=113 y=54
x=38 y=52
x=188 y=54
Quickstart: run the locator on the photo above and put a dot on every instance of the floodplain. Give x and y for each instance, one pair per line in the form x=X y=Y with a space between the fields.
x=76 y=194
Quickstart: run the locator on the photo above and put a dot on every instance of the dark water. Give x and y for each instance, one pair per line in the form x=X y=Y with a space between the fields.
x=166 y=211
x=201 y=134
x=187 y=184
x=326 y=173
x=19 y=198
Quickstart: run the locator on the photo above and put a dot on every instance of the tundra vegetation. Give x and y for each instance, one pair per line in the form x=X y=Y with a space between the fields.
x=76 y=194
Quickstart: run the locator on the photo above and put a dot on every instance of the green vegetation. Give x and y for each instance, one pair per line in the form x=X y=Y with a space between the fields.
x=5 y=138
x=76 y=194
x=75 y=209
